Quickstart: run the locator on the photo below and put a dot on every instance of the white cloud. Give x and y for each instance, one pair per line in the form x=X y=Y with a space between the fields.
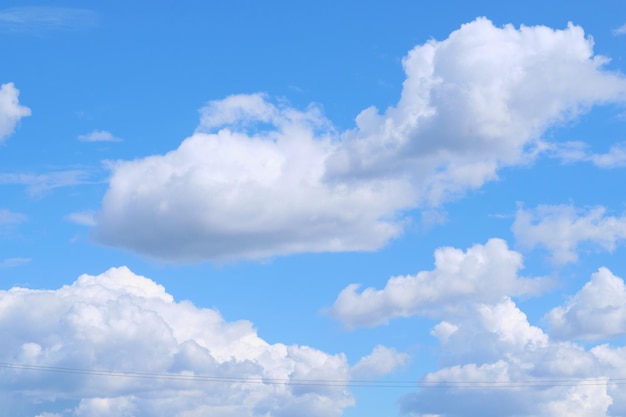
x=13 y=262
x=35 y=19
x=258 y=180
x=483 y=273
x=562 y=228
x=10 y=110
x=597 y=311
x=497 y=364
x=381 y=361
x=9 y=217
x=39 y=184
x=570 y=152
x=83 y=218
x=119 y=321
x=620 y=30
x=99 y=136
x=475 y=102
x=233 y=194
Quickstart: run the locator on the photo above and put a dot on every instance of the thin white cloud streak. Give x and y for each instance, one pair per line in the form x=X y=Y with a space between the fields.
x=99 y=136
x=562 y=228
x=9 y=217
x=482 y=273
x=39 y=184
x=570 y=152
x=597 y=311
x=124 y=322
x=38 y=19
x=83 y=218
x=10 y=110
x=258 y=180
x=14 y=262
x=620 y=30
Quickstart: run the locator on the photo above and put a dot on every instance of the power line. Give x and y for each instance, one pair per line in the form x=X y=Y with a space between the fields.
x=475 y=384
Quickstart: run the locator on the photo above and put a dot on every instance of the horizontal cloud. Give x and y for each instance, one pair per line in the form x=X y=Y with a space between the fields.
x=561 y=229
x=10 y=109
x=35 y=19
x=98 y=136
x=169 y=358
x=9 y=217
x=13 y=262
x=259 y=179
x=571 y=152
x=38 y=184
x=483 y=273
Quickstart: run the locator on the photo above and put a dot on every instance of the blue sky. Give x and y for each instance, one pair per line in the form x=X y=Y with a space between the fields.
x=259 y=206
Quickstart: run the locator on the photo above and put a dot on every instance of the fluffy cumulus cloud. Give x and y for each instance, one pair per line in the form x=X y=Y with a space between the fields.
x=493 y=361
x=10 y=110
x=259 y=179
x=497 y=364
x=477 y=101
x=236 y=194
x=597 y=311
x=169 y=358
x=561 y=229
x=482 y=273
x=381 y=361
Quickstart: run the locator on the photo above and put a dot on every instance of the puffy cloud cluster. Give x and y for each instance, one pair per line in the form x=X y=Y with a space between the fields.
x=493 y=361
x=498 y=364
x=482 y=273
x=10 y=110
x=259 y=179
x=122 y=322
x=562 y=228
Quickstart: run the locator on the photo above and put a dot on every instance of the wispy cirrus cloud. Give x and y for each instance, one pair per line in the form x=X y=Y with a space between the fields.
x=99 y=136
x=620 y=30
x=9 y=217
x=83 y=218
x=39 y=184
x=13 y=262
x=576 y=151
x=36 y=19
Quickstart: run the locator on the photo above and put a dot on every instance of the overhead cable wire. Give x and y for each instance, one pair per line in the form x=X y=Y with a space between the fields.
x=470 y=384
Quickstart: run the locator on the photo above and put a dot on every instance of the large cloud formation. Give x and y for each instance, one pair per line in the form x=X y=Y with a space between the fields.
x=170 y=358
x=494 y=362
x=259 y=179
x=10 y=110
